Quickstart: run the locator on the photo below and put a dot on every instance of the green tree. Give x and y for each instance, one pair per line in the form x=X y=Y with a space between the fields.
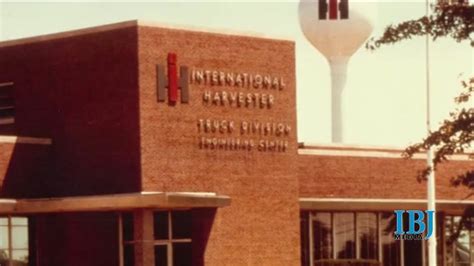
x=456 y=133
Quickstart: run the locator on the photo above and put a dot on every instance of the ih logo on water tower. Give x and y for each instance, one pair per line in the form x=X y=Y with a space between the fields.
x=172 y=82
x=337 y=9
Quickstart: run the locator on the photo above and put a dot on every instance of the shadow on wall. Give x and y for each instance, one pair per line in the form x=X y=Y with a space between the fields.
x=28 y=171
x=77 y=239
x=203 y=219
x=82 y=91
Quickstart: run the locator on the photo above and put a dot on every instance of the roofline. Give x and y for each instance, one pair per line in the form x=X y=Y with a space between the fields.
x=69 y=33
x=345 y=146
x=219 y=31
x=337 y=149
x=381 y=204
x=135 y=23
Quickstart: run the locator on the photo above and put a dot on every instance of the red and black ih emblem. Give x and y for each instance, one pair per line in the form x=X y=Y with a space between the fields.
x=337 y=9
x=172 y=82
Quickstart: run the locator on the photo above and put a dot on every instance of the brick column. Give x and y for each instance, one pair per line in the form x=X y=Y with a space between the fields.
x=143 y=232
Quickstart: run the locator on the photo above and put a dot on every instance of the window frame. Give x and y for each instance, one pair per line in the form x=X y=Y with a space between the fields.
x=10 y=227
x=357 y=243
x=451 y=250
x=168 y=242
x=311 y=244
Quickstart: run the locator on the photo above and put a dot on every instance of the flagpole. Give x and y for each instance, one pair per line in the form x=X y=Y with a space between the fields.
x=431 y=188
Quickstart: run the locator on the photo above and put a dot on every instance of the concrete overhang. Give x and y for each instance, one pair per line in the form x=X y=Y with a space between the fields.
x=352 y=204
x=25 y=140
x=114 y=202
x=349 y=150
x=7 y=205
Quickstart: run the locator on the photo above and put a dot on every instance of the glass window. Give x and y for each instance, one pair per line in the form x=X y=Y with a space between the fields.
x=367 y=235
x=181 y=224
x=463 y=247
x=19 y=221
x=129 y=255
x=304 y=241
x=172 y=238
x=448 y=227
x=4 y=243
x=390 y=246
x=127 y=226
x=353 y=236
x=19 y=237
x=459 y=250
x=344 y=235
x=161 y=255
x=126 y=220
x=322 y=235
x=4 y=237
x=20 y=255
x=4 y=221
x=182 y=254
x=15 y=252
x=4 y=256
x=160 y=227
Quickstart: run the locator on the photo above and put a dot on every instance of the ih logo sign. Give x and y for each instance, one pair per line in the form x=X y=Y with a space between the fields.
x=172 y=82
x=337 y=9
x=415 y=217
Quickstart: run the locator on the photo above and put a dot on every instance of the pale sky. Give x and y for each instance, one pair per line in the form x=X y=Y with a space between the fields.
x=385 y=92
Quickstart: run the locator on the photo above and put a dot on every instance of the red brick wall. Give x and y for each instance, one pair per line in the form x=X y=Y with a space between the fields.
x=365 y=177
x=261 y=225
x=77 y=239
x=23 y=168
x=6 y=150
x=81 y=91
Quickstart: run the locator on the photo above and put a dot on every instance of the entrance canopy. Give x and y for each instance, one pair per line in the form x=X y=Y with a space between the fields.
x=155 y=200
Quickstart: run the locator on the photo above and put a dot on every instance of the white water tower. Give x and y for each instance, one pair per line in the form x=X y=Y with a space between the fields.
x=337 y=28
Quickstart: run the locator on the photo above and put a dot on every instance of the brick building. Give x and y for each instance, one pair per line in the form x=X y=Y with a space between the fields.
x=134 y=144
